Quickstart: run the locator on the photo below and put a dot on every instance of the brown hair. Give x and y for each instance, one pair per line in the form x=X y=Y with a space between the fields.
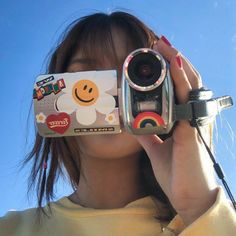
x=63 y=152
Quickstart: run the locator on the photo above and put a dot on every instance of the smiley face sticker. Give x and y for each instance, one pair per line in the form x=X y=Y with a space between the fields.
x=88 y=95
x=85 y=92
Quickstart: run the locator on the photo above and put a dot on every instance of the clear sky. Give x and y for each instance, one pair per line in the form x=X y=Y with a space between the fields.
x=204 y=31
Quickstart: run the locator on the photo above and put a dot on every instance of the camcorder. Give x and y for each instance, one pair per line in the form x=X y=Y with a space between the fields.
x=89 y=102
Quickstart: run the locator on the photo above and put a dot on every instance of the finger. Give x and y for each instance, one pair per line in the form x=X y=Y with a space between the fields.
x=148 y=141
x=194 y=77
x=164 y=47
x=180 y=79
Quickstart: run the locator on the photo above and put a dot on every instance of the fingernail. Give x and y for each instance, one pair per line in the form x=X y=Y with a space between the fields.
x=179 y=61
x=165 y=40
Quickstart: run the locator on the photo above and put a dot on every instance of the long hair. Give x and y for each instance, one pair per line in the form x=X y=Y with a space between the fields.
x=92 y=36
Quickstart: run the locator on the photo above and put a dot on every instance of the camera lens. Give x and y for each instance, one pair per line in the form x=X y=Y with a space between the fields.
x=144 y=69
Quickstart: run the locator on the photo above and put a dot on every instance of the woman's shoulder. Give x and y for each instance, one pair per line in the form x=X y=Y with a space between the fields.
x=16 y=215
x=15 y=221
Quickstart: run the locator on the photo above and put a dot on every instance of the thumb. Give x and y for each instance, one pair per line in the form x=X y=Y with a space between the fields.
x=159 y=154
x=149 y=142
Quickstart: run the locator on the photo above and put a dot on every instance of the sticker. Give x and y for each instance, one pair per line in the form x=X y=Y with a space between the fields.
x=146 y=119
x=40 y=118
x=58 y=123
x=110 y=118
x=44 y=81
x=86 y=98
x=85 y=92
x=45 y=90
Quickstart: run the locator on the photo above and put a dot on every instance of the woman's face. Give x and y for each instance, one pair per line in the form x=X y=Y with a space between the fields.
x=109 y=146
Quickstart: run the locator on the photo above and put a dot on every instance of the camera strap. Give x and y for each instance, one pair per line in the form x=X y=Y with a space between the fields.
x=201 y=107
x=201 y=110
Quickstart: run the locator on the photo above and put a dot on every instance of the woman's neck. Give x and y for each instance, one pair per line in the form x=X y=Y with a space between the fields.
x=107 y=184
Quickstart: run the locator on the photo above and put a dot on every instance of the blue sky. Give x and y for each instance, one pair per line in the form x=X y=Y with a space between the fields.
x=204 y=31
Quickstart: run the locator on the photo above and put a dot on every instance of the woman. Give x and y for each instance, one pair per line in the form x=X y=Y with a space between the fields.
x=124 y=184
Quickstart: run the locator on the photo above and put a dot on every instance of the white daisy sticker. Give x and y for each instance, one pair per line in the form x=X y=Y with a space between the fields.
x=86 y=97
x=110 y=118
x=40 y=118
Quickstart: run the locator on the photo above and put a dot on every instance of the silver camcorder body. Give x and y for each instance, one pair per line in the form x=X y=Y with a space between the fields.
x=147 y=93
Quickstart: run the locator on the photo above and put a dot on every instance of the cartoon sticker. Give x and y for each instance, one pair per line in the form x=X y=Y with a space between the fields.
x=147 y=119
x=40 y=118
x=110 y=118
x=86 y=98
x=85 y=92
x=58 y=123
x=45 y=90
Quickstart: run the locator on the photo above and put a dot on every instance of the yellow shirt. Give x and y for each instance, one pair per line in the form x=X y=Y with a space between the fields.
x=135 y=219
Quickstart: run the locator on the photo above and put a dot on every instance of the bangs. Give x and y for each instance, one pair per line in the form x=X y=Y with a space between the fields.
x=103 y=40
x=98 y=40
x=96 y=43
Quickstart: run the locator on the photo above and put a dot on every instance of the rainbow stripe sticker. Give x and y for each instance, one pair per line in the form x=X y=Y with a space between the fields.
x=147 y=119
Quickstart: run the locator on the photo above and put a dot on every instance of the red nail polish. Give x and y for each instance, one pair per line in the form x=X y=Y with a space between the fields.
x=165 y=40
x=179 y=61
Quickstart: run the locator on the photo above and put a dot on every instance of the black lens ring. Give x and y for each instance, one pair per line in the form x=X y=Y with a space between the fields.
x=144 y=58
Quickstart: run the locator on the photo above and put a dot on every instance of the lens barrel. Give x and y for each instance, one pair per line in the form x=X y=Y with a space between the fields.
x=144 y=69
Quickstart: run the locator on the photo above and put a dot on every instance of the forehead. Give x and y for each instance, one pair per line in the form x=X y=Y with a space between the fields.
x=103 y=51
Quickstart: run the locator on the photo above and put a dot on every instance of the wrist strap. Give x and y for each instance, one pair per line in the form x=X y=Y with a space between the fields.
x=201 y=107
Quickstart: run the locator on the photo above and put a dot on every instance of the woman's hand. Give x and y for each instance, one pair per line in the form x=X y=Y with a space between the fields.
x=181 y=165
